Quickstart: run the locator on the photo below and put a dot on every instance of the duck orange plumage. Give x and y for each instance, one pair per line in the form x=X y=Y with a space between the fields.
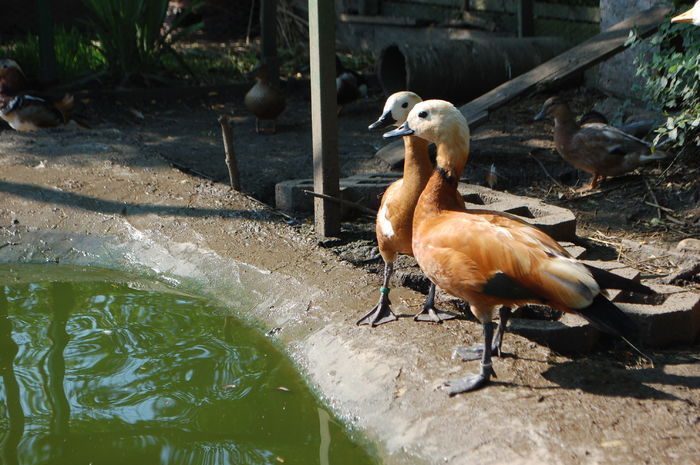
x=490 y=258
x=595 y=148
x=395 y=216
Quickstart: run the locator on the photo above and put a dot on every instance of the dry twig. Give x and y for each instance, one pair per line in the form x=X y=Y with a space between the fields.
x=349 y=203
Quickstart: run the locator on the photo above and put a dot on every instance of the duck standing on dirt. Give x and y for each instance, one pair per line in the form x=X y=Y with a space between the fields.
x=690 y=16
x=350 y=85
x=595 y=148
x=264 y=100
x=395 y=217
x=490 y=258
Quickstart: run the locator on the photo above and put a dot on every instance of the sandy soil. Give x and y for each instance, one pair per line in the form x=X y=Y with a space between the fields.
x=63 y=190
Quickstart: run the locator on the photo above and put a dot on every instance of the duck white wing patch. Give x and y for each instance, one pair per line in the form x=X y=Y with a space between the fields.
x=383 y=221
x=384 y=224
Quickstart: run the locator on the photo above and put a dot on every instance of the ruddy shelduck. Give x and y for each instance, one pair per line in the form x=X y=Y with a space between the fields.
x=489 y=258
x=395 y=216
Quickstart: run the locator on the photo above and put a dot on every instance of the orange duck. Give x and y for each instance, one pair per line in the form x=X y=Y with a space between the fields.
x=490 y=258
x=595 y=148
x=395 y=216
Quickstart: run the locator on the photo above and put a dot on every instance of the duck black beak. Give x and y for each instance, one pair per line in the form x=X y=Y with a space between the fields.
x=384 y=121
x=403 y=130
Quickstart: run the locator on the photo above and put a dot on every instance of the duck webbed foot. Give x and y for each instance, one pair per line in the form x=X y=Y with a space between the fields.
x=381 y=313
x=475 y=381
x=476 y=351
x=471 y=382
x=430 y=313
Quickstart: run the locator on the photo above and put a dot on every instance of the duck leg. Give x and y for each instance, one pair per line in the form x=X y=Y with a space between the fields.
x=475 y=381
x=381 y=313
x=430 y=313
x=476 y=351
x=595 y=182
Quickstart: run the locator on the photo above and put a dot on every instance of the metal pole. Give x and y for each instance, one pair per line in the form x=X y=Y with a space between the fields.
x=526 y=18
x=268 y=35
x=47 y=54
x=324 y=120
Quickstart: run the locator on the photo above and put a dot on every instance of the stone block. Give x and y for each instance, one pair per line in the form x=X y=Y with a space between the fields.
x=558 y=222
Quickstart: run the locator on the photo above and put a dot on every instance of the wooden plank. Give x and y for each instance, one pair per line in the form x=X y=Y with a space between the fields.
x=583 y=56
x=383 y=20
x=324 y=120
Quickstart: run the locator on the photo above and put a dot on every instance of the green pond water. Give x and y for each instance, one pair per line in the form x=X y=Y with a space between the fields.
x=102 y=372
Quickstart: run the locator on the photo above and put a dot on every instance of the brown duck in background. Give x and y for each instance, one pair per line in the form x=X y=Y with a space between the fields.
x=349 y=85
x=25 y=112
x=264 y=99
x=595 y=148
x=12 y=78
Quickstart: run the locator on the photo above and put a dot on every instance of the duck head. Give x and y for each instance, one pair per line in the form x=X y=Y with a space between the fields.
x=396 y=109
x=552 y=107
x=690 y=16
x=436 y=121
x=12 y=79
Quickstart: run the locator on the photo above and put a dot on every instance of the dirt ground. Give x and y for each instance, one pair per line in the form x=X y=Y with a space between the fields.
x=658 y=205
x=545 y=407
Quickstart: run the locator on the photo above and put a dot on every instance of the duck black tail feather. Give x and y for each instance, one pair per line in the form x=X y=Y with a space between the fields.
x=608 y=280
x=607 y=317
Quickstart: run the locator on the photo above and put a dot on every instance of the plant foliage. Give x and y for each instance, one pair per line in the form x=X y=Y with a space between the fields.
x=671 y=69
x=131 y=34
x=74 y=54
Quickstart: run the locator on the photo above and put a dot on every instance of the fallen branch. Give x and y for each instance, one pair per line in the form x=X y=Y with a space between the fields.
x=349 y=203
x=231 y=163
x=545 y=171
x=653 y=197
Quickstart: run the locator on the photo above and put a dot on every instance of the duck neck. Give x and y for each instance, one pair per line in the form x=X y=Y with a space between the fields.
x=416 y=165
x=441 y=190
x=565 y=124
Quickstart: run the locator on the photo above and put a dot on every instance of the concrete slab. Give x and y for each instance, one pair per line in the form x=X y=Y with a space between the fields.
x=363 y=189
x=670 y=317
x=558 y=222
x=367 y=189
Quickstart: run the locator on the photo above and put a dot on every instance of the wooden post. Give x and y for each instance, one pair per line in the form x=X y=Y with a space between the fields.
x=526 y=18
x=231 y=161
x=268 y=35
x=47 y=53
x=324 y=120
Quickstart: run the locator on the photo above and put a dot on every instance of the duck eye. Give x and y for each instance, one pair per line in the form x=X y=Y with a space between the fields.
x=404 y=105
x=423 y=114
